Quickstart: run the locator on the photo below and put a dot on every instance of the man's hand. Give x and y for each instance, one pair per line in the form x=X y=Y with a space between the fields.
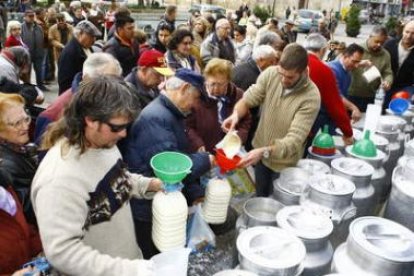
x=386 y=85
x=365 y=63
x=155 y=185
x=348 y=140
x=252 y=157
x=230 y=123
x=355 y=115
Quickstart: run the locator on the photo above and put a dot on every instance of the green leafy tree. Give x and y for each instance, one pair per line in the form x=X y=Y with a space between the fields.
x=262 y=12
x=352 y=21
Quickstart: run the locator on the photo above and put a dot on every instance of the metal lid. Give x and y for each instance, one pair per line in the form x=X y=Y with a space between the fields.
x=304 y=222
x=383 y=238
x=409 y=148
x=235 y=272
x=389 y=123
x=293 y=180
x=403 y=177
x=313 y=166
x=378 y=140
x=271 y=247
x=380 y=155
x=352 y=166
x=332 y=184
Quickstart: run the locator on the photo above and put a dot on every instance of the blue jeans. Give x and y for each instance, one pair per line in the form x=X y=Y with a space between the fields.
x=264 y=180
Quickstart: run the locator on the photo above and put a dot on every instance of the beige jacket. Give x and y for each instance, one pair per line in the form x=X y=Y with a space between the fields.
x=55 y=39
x=286 y=119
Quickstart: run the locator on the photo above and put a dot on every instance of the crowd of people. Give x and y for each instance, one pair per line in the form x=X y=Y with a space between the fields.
x=76 y=183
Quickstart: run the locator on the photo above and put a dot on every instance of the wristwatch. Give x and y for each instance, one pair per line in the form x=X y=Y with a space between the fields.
x=266 y=153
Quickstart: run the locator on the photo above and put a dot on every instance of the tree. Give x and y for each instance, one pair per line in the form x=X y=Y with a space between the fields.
x=352 y=21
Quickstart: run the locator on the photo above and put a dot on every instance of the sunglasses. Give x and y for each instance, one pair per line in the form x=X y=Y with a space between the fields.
x=117 y=128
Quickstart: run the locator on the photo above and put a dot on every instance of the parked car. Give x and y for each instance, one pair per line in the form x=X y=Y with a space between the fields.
x=363 y=16
x=203 y=8
x=307 y=19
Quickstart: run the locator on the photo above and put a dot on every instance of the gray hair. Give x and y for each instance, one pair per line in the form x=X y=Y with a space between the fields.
x=221 y=22
x=174 y=83
x=262 y=52
x=379 y=31
x=101 y=64
x=315 y=42
x=267 y=38
x=12 y=24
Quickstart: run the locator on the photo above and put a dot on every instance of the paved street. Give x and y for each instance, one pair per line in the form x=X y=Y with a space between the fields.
x=339 y=35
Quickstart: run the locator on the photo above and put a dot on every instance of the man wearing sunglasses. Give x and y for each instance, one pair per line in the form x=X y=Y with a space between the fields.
x=82 y=189
x=160 y=127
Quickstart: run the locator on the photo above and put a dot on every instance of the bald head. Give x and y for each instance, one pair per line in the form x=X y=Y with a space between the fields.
x=407 y=39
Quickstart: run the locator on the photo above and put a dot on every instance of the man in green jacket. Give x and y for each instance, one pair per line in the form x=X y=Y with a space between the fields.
x=289 y=103
x=362 y=93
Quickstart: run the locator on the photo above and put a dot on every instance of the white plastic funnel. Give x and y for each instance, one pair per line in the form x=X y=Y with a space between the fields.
x=372 y=117
x=173 y=262
x=372 y=74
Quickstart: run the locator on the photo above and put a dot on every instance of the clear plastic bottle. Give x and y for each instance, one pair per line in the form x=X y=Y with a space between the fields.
x=379 y=96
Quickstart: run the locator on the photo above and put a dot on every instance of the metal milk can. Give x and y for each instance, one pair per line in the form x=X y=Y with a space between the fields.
x=360 y=173
x=401 y=202
x=332 y=195
x=313 y=228
x=408 y=116
x=376 y=247
x=313 y=166
x=288 y=188
x=378 y=180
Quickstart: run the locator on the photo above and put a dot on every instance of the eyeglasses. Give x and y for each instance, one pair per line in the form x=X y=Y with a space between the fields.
x=117 y=128
x=21 y=122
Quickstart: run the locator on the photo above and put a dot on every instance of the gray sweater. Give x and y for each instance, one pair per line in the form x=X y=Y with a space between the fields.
x=82 y=207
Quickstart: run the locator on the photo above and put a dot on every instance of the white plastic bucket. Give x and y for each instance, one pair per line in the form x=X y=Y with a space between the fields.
x=173 y=262
x=372 y=74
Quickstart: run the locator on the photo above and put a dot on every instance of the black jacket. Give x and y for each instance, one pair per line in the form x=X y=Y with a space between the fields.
x=70 y=63
x=126 y=55
x=21 y=166
x=403 y=76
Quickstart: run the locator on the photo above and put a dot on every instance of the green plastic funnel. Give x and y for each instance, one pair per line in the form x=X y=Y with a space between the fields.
x=365 y=147
x=171 y=167
x=324 y=144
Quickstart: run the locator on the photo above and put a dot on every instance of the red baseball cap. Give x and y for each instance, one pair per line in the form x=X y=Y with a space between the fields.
x=155 y=59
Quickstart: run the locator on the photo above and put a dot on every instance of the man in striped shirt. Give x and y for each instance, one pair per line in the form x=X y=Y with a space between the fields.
x=290 y=102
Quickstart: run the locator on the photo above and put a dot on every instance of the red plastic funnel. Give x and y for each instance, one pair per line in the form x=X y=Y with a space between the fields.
x=225 y=164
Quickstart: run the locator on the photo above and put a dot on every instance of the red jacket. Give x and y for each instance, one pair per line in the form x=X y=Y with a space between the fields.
x=203 y=127
x=11 y=41
x=19 y=241
x=331 y=99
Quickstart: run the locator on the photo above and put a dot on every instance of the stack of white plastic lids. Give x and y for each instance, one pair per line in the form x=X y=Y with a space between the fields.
x=169 y=214
x=217 y=200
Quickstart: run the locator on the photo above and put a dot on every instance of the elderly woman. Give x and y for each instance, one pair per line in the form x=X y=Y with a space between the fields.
x=19 y=158
x=243 y=46
x=14 y=31
x=179 y=51
x=204 y=123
